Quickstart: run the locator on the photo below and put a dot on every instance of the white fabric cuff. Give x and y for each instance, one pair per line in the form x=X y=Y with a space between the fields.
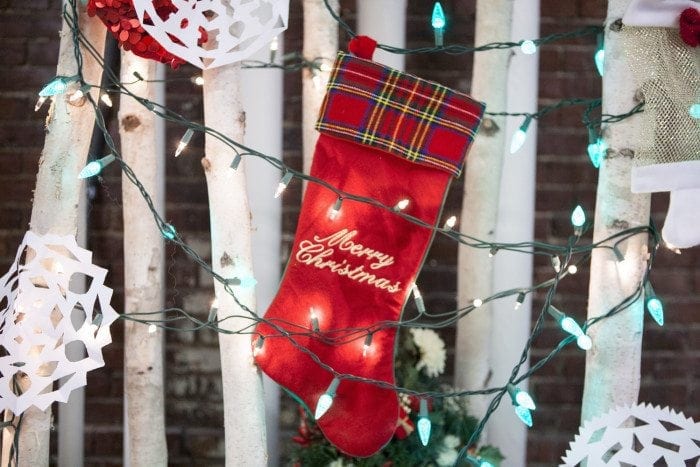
x=666 y=177
x=682 y=225
x=656 y=13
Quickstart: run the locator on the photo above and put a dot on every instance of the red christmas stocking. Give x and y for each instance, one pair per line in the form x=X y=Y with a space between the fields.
x=389 y=136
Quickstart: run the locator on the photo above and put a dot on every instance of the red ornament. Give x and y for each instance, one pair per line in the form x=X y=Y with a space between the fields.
x=362 y=47
x=120 y=18
x=689 y=26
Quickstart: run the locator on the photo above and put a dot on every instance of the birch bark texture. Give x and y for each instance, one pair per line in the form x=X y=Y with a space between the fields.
x=263 y=98
x=385 y=22
x=480 y=202
x=56 y=197
x=613 y=364
x=231 y=237
x=140 y=133
x=321 y=45
x=516 y=223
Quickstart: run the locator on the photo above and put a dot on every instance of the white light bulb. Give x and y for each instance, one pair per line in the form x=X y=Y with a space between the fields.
x=314 y=319
x=283 y=184
x=40 y=102
x=573 y=269
x=316 y=80
x=257 y=350
x=326 y=400
x=450 y=222
x=517 y=141
x=106 y=100
x=528 y=47
x=76 y=96
x=152 y=328
x=324 y=403
x=184 y=141
x=335 y=210
x=556 y=263
x=401 y=205
x=584 y=342
x=477 y=302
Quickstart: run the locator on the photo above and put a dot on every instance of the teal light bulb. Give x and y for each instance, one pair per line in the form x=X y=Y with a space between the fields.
x=584 y=342
x=656 y=310
x=438 y=20
x=569 y=325
x=90 y=170
x=524 y=399
x=596 y=152
x=248 y=282
x=484 y=463
x=95 y=167
x=694 y=111
x=578 y=217
x=58 y=85
x=524 y=415
x=599 y=59
x=424 y=426
x=169 y=232
x=326 y=400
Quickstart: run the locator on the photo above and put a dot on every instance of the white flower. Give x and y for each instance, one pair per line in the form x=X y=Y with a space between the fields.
x=339 y=463
x=447 y=457
x=450 y=441
x=432 y=351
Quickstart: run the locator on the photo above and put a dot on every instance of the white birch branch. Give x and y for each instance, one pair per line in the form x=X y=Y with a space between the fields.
x=480 y=202
x=613 y=364
x=56 y=197
x=320 y=43
x=244 y=409
x=143 y=267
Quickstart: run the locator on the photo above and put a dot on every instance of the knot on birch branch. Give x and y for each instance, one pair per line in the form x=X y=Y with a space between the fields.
x=130 y=122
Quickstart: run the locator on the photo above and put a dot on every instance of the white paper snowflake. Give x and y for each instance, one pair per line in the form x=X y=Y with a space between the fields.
x=235 y=28
x=635 y=436
x=48 y=328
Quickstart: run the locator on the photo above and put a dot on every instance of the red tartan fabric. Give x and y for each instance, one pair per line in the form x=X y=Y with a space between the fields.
x=418 y=120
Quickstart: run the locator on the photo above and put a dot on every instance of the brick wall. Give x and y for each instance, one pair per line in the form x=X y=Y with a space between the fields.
x=193 y=388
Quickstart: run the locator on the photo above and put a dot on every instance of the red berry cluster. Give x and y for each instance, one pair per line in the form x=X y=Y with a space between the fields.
x=120 y=18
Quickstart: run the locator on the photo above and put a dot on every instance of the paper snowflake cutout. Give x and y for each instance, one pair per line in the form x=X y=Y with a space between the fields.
x=235 y=29
x=638 y=435
x=49 y=330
